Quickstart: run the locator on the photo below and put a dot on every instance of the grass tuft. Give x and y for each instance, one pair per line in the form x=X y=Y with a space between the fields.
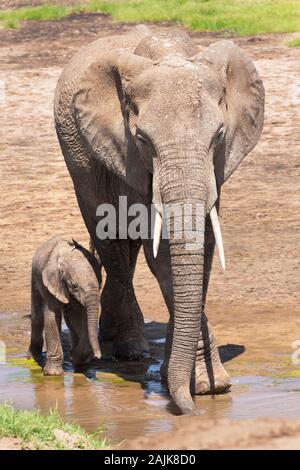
x=46 y=12
x=240 y=17
x=46 y=432
x=294 y=43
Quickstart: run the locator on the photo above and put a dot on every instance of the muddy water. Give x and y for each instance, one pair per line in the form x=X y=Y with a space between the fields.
x=128 y=398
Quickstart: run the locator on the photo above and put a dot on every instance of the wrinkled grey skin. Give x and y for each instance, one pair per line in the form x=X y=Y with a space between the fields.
x=140 y=115
x=66 y=280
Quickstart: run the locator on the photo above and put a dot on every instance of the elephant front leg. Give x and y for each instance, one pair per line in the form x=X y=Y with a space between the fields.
x=122 y=321
x=121 y=318
x=52 y=323
x=209 y=375
x=76 y=319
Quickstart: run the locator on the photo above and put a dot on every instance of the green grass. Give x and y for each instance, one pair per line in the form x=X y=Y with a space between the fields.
x=12 y=18
x=294 y=43
x=294 y=374
x=241 y=17
x=38 y=431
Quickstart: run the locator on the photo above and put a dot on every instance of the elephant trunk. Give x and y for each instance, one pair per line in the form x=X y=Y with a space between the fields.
x=187 y=262
x=187 y=279
x=92 y=307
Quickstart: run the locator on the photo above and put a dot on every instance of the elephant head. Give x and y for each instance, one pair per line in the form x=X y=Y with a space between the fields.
x=174 y=128
x=73 y=272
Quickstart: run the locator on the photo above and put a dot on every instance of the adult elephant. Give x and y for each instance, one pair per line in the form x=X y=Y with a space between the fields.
x=148 y=116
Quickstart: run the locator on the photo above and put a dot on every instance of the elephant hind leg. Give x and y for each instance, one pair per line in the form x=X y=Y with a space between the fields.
x=37 y=325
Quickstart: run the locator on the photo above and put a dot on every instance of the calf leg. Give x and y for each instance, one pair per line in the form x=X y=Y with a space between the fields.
x=37 y=325
x=52 y=322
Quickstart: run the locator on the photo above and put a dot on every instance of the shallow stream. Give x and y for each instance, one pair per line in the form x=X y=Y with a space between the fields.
x=128 y=398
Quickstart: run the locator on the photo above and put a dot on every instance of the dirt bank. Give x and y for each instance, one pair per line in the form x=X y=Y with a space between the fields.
x=249 y=434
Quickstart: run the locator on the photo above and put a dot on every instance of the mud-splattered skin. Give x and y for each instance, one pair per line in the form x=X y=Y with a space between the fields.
x=65 y=279
x=146 y=116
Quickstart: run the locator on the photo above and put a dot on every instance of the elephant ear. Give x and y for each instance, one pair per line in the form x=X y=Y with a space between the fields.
x=242 y=102
x=103 y=110
x=52 y=278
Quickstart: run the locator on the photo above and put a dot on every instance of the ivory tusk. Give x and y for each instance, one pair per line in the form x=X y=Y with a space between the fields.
x=218 y=235
x=157 y=233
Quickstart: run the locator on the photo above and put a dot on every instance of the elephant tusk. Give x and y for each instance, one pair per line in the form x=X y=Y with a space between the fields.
x=157 y=232
x=218 y=235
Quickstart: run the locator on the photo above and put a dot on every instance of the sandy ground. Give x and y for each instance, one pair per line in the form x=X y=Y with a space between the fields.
x=255 y=304
x=7 y=443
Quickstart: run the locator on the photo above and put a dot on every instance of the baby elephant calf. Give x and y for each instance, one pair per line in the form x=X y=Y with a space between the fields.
x=66 y=278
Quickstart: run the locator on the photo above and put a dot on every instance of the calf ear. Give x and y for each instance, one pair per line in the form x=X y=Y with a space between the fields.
x=52 y=279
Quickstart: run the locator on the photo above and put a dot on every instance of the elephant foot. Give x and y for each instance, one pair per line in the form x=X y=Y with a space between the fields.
x=210 y=379
x=204 y=383
x=81 y=358
x=53 y=368
x=130 y=348
x=35 y=353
